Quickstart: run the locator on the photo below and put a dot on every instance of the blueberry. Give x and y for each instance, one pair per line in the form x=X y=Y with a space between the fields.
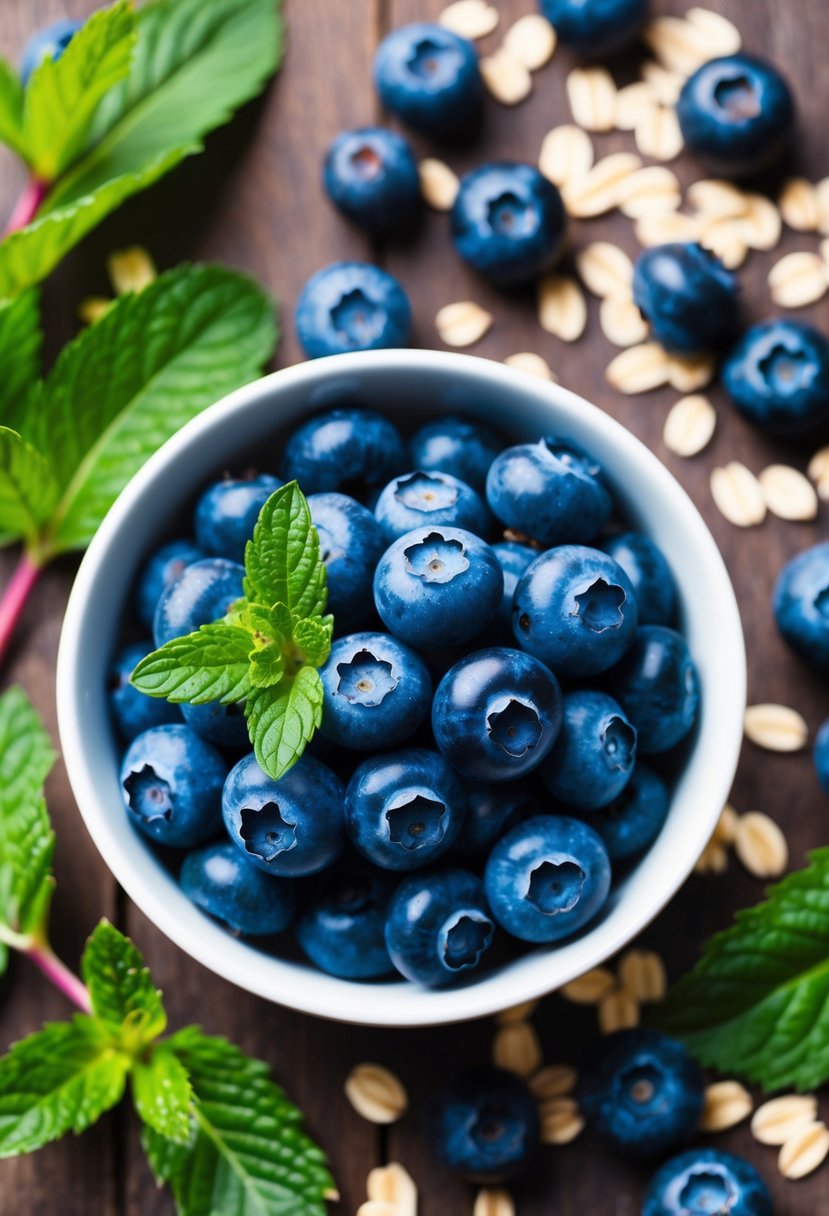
x=420 y=498
x=547 y=878
x=343 y=929
x=801 y=605
x=574 y=608
x=345 y=449
x=48 y=43
x=224 y=725
x=371 y=175
x=376 y=692
x=172 y=786
x=688 y=297
x=438 y=927
x=350 y=306
x=642 y=1093
x=496 y=714
x=483 y=1124
x=456 y=445
x=551 y=491
x=820 y=755
x=223 y=884
x=227 y=511
x=205 y=591
x=592 y=760
x=132 y=710
x=404 y=809
x=707 y=1182
x=596 y=28
x=491 y=810
x=632 y=821
x=650 y=575
x=437 y=586
x=778 y=377
x=159 y=572
x=351 y=544
x=429 y=77
x=657 y=686
x=508 y=222
x=513 y=558
x=289 y=827
x=736 y=114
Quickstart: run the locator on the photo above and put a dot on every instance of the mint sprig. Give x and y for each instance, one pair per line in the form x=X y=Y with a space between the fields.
x=267 y=650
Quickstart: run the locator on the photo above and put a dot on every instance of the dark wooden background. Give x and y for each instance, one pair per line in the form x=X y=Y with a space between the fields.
x=254 y=200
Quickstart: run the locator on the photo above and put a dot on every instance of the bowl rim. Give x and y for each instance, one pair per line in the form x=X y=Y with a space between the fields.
x=283 y=981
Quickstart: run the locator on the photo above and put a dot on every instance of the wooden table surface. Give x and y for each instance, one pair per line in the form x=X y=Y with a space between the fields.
x=254 y=200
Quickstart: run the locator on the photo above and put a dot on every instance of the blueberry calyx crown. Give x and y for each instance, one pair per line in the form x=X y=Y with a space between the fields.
x=416 y=822
x=148 y=794
x=436 y=559
x=600 y=606
x=425 y=492
x=555 y=887
x=464 y=939
x=514 y=726
x=365 y=680
x=265 y=832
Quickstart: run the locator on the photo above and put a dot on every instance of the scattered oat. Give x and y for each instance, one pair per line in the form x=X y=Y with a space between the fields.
x=727 y=239
x=737 y=494
x=516 y=1048
x=727 y=1103
x=462 y=324
x=591 y=987
x=679 y=45
x=93 y=308
x=819 y=472
x=561 y=1120
x=717 y=199
x=671 y=226
x=376 y=1207
x=562 y=308
x=566 y=155
x=438 y=184
x=516 y=1013
x=531 y=40
x=804 y=1151
x=690 y=425
x=633 y=101
x=713 y=859
x=393 y=1184
x=617 y=1011
x=470 y=18
x=606 y=270
x=639 y=369
x=592 y=96
x=776 y=1120
x=601 y=189
x=788 y=494
x=621 y=322
x=760 y=845
x=530 y=363
x=665 y=86
x=650 y=191
x=658 y=134
x=799 y=204
x=493 y=1201
x=130 y=269
x=798 y=279
x=761 y=226
x=824 y=250
x=726 y=830
x=777 y=728
x=505 y=77
x=722 y=36
x=642 y=975
x=376 y=1093
x=554 y=1081
x=693 y=372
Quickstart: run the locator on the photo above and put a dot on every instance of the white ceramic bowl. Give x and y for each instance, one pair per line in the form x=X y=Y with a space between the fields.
x=402 y=384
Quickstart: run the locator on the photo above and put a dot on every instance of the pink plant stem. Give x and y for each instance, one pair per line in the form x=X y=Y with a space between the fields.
x=13 y=599
x=26 y=207
x=59 y=974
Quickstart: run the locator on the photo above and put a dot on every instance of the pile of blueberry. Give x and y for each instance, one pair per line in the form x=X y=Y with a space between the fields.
x=498 y=720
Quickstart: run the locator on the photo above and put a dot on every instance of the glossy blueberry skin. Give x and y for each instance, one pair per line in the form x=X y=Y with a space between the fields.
x=371 y=175
x=574 y=608
x=438 y=927
x=496 y=714
x=736 y=114
x=159 y=572
x=351 y=543
x=456 y=445
x=513 y=559
x=491 y=810
x=223 y=884
x=428 y=76
x=404 y=809
x=376 y=692
x=205 y=591
x=343 y=928
x=547 y=878
x=820 y=755
x=132 y=710
x=593 y=757
x=801 y=605
x=707 y=1182
x=631 y=822
x=420 y=499
x=483 y=1125
x=350 y=306
x=437 y=586
x=650 y=575
x=777 y=376
x=657 y=686
x=596 y=28
x=508 y=222
x=550 y=490
x=688 y=297
x=48 y=43
x=642 y=1092
x=227 y=511
x=223 y=725
x=171 y=781
x=289 y=827
x=345 y=449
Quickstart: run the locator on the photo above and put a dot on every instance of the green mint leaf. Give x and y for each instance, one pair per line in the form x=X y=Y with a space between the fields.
x=63 y=94
x=26 y=752
x=124 y=998
x=163 y=1095
x=28 y=493
x=59 y=1080
x=282 y=559
x=11 y=108
x=268 y=624
x=282 y=720
x=211 y=664
x=313 y=638
x=21 y=339
x=755 y=1003
x=267 y=666
x=248 y=1153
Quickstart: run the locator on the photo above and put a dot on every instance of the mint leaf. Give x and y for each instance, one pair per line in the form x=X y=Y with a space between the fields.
x=282 y=559
x=755 y=1004
x=211 y=664
x=273 y=624
x=26 y=752
x=27 y=489
x=59 y=1080
x=313 y=637
x=282 y=720
x=163 y=1095
x=124 y=998
x=248 y=1154
x=11 y=108
x=21 y=339
x=267 y=667
x=63 y=94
